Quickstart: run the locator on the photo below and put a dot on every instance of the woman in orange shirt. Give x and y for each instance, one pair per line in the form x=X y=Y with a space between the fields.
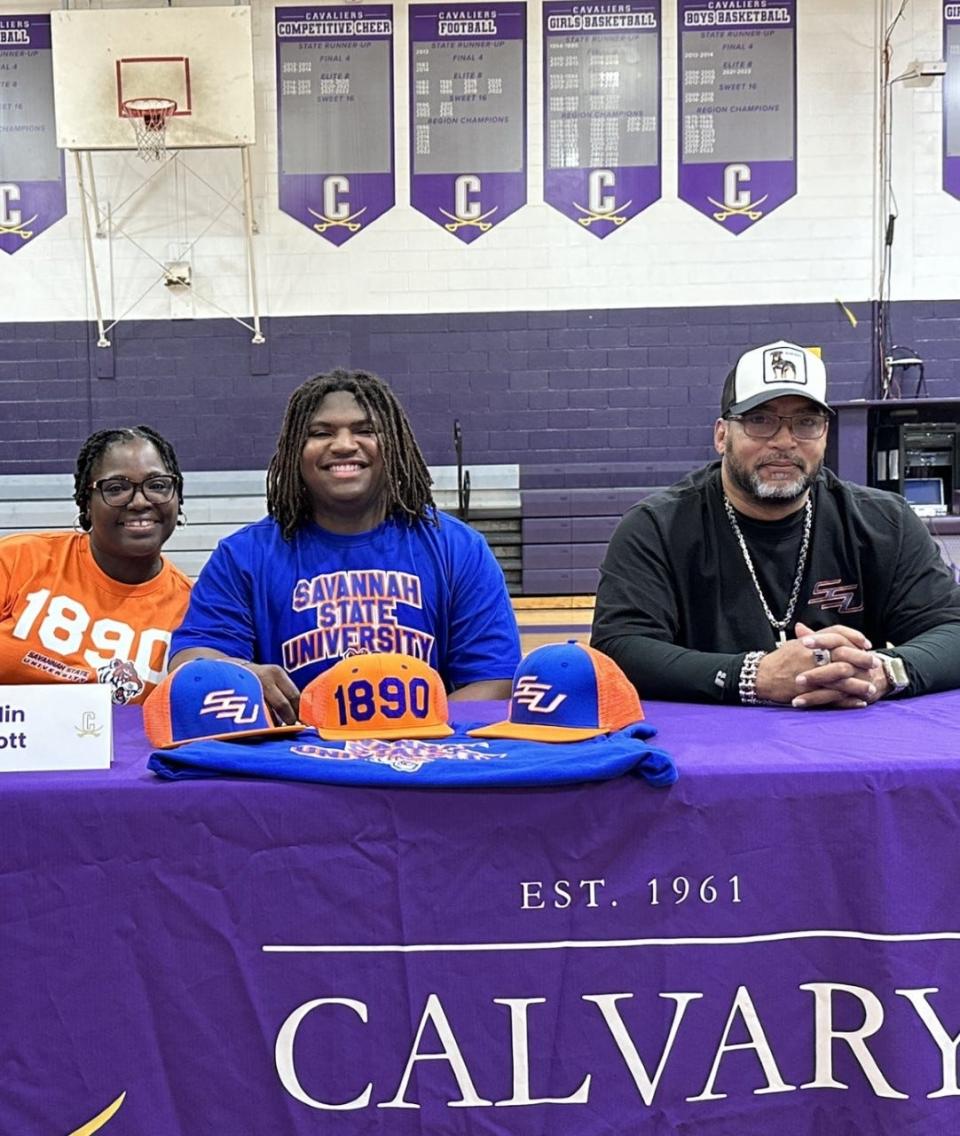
x=99 y=604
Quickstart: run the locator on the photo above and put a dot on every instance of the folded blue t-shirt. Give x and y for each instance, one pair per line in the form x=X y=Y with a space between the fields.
x=456 y=761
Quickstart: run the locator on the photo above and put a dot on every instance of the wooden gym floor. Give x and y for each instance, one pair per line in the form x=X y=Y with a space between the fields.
x=553 y=619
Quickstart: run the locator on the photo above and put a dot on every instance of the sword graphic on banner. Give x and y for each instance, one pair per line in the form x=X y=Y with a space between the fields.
x=750 y=210
x=19 y=230
x=480 y=222
x=592 y=215
x=325 y=222
x=100 y=1119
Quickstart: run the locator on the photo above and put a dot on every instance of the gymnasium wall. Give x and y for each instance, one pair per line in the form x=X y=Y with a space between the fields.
x=549 y=345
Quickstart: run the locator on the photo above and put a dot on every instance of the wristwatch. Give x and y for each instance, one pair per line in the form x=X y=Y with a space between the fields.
x=896 y=671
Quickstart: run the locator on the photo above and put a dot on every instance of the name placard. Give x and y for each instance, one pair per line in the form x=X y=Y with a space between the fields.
x=55 y=727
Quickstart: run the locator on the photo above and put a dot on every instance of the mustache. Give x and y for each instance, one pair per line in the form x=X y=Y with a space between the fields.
x=780 y=460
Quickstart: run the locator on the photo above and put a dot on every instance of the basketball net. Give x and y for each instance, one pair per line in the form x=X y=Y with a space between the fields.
x=148 y=117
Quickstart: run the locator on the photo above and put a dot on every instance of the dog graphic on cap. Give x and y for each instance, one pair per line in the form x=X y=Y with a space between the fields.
x=783 y=369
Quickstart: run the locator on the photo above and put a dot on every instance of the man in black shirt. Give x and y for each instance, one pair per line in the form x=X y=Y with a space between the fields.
x=763 y=578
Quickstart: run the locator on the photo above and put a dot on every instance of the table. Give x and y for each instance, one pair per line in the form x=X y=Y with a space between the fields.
x=771 y=945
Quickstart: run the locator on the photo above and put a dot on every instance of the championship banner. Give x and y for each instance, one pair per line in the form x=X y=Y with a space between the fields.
x=738 y=132
x=468 y=123
x=601 y=83
x=335 y=116
x=33 y=195
x=951 y=100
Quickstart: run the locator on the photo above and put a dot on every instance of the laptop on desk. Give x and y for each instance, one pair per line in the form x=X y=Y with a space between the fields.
x=925 y=496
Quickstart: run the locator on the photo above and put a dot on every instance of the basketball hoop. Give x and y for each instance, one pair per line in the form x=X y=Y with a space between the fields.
x=149 y=120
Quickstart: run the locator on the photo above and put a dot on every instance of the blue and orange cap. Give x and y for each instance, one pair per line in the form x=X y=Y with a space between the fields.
x=384 y=695
x=567 y=692
x=209 y=700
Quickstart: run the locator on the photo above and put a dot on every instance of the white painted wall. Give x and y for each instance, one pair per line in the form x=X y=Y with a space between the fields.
x=818 y=247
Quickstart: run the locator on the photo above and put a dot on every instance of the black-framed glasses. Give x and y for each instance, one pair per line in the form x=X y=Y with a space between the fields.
x=806 y=427
x=118 y=491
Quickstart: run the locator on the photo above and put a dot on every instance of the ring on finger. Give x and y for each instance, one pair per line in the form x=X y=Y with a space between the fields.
x=821 y=657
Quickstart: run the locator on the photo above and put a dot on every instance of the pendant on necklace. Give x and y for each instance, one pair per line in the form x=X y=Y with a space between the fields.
x=783 y=636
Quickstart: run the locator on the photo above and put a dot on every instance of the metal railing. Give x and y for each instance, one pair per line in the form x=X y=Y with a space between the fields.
x=463 y=475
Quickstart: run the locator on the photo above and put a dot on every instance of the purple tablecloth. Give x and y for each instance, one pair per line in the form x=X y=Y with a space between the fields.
x=772 y=945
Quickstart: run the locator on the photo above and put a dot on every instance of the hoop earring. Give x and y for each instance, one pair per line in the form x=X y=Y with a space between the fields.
x=78 y=524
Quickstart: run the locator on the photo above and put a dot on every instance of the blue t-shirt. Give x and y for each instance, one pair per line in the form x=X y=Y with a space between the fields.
x=454 y=762
x=435 y=593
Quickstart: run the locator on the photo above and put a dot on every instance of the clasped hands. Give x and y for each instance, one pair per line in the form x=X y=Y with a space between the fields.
x=852 y=679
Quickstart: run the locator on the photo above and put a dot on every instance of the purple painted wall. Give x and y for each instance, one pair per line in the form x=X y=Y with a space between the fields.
x=634 y=388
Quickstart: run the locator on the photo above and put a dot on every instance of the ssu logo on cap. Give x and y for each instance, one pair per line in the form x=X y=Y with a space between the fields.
x=209 y=700
x=567 y=692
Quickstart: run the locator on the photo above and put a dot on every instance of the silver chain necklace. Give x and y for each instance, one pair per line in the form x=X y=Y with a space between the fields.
x=779 y=625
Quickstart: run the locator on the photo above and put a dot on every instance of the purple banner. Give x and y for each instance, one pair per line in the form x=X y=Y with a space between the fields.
x=335 y=116
x=738 y=128
x=601 y=83
x=468 y=120
x=33 y=193
x=951 y=99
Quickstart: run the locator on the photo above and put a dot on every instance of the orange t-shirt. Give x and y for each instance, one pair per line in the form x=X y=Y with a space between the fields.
x=62 y=619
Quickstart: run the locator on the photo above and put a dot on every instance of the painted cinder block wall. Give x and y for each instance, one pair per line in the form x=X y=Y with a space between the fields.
x=607 y=385
x=549 y=345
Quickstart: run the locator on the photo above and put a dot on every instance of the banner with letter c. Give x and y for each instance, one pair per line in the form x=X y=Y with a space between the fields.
x=601 y=84
x=468 y=119
x=335 y=117
x=738 y=108
x=33 y=195
x=951 y=99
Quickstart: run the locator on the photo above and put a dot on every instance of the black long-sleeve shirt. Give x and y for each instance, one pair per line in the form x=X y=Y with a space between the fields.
x=677 y=609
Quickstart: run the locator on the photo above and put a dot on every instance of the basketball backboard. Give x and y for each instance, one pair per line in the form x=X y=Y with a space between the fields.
x=202 y=58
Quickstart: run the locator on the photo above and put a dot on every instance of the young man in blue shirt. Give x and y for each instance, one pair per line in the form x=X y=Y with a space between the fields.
x=353 y=558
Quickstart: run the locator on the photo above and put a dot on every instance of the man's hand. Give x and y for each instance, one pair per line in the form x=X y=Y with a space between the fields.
x=851 y=680
x=279 y=690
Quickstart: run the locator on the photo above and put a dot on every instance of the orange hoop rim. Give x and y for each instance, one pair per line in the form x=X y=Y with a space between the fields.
x=144 y=107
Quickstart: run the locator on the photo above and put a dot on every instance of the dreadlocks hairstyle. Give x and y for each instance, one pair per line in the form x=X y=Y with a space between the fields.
x=97 y=444
x=407 y=478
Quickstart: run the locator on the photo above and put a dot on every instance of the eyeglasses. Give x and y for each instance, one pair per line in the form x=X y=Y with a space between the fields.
x=765 y=424
x=118 y=491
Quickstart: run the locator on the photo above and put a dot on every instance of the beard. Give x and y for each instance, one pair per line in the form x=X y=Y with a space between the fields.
x=752 y=485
